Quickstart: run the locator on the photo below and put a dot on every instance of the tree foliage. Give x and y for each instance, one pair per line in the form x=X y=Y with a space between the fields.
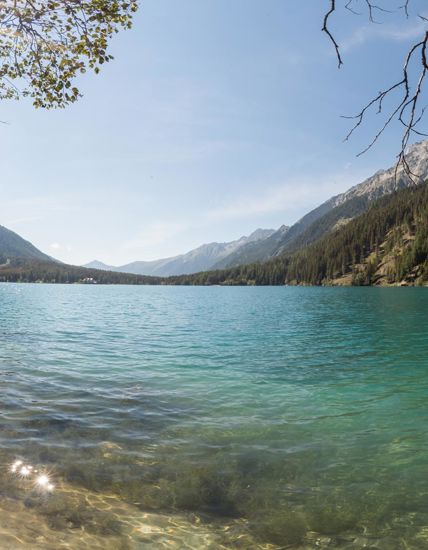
x=46 y=44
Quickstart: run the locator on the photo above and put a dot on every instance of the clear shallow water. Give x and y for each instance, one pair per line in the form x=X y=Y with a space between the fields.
x=214 y=417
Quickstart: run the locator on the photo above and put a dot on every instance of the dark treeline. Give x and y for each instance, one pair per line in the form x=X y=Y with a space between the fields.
x=396 y=225
x=33 y=271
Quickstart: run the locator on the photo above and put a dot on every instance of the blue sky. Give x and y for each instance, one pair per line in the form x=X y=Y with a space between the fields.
x=216 y=117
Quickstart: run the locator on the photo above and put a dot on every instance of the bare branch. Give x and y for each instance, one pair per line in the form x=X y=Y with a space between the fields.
x=406 y=110
x=326 y=29
x=405 y=7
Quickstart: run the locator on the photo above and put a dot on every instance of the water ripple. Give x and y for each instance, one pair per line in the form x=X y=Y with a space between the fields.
x=217 y=417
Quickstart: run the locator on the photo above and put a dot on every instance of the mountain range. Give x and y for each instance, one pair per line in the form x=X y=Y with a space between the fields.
x=18 y=257
x=203 y=258
x=265 y=244
x=336 y=210
x=386 y=245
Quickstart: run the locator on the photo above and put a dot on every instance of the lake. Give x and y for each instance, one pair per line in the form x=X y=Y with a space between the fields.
x=218 y=417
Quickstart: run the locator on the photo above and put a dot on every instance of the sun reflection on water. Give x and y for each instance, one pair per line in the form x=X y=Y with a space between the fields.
x=40 y=480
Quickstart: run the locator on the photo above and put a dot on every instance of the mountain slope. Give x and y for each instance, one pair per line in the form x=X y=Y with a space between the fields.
x=380 y=184
x=14 y=246
x=333 y=219
x=200 y=259
x=388 y=244
x=253 y=251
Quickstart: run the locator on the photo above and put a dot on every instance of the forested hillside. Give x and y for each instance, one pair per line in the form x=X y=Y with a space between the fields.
x=388 y=244
x=334 y=219
x=318 y=221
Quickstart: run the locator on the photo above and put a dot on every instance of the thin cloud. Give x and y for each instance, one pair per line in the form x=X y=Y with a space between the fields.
x=155 y=234
x=23 y=220
x=395 y=33
x=286 y=198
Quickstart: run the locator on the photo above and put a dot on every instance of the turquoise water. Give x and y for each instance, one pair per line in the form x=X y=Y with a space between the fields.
x=214 y=417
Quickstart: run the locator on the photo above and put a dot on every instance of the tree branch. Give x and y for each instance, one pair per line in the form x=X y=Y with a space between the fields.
x=406 y=110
